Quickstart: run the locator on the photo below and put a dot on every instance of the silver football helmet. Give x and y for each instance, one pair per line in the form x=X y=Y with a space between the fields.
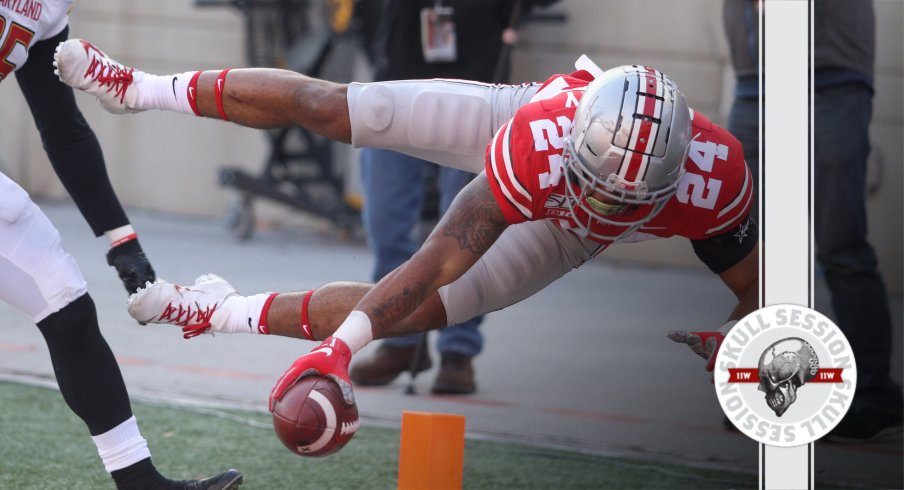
x=628 y=145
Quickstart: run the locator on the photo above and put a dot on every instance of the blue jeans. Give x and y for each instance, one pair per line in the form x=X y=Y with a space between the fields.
x=744 y=124
x=841 y=123
x=393 y=200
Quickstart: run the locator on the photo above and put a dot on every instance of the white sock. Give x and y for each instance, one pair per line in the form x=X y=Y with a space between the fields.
x=244 y=314
x=167 y=92
x=356 y=331
x=122 y=446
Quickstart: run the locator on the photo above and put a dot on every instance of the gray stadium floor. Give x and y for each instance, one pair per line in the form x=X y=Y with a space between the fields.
x=584 y=365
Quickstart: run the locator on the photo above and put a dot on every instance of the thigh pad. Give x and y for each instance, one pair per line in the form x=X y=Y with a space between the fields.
x=448 y=122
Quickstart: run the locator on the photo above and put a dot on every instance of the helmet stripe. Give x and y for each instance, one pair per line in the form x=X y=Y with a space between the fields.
x=644 y=134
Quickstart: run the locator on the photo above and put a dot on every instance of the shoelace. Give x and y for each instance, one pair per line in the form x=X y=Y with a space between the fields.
x=117 y=78
x=183 y=316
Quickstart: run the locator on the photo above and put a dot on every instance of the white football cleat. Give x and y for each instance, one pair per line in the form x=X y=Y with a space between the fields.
x=83 y=66
x=197 y=309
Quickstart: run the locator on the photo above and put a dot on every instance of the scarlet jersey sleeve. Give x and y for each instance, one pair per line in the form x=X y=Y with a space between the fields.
x=513 y=196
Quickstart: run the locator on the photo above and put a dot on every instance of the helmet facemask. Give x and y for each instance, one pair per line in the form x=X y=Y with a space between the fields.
x=622 y=166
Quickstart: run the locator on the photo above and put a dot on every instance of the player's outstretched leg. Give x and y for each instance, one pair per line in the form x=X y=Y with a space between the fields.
x=83 y=66
x=211 y=304
x=252 y=97
x=121 y=89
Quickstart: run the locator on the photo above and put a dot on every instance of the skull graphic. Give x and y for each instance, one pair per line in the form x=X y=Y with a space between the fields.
x=784 y=367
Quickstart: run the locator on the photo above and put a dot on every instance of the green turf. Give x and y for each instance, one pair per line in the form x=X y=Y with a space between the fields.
x=43 y=445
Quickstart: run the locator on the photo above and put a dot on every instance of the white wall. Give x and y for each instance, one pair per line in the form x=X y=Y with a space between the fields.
x=169 y=162
x=155 y=160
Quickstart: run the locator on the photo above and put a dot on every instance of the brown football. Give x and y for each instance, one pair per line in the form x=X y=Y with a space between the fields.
x=312 y=419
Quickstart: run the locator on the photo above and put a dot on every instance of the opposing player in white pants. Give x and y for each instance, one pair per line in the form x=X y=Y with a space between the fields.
x=41 y=279
x=29 y=32
x=573 y=165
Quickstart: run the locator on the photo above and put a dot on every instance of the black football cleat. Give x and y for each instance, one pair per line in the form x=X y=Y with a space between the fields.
x=227 y=480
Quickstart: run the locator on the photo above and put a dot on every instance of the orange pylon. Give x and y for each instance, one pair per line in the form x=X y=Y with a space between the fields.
x=432 y=452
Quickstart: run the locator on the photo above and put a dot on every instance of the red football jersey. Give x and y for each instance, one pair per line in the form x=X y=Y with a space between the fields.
x=524 y=165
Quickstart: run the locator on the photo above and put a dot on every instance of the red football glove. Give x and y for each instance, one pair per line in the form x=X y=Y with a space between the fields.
x=704 y=344
x=329 y=359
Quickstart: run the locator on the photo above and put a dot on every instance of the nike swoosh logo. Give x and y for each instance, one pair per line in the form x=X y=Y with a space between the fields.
x=191 y=93
x=323 y=350
x=220 y=85
x=174 y=87
x=307 y=331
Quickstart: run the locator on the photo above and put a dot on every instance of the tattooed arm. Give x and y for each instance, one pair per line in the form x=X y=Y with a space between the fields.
x=471 y=225
x=468 y=229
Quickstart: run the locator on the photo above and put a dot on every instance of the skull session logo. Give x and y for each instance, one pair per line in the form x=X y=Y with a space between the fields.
x=781 y=374
x=785 y=375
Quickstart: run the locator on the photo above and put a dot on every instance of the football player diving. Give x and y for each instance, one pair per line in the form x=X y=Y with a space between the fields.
x=565 y=168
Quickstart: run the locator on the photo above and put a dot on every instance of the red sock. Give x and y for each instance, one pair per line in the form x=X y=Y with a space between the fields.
x=305 y=324
x=218 y=93
x=263 y=326
x=193 y=93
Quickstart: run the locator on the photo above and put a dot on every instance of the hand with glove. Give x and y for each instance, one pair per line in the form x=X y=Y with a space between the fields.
x=704 y=344
x=131 y=265
x=329 y=359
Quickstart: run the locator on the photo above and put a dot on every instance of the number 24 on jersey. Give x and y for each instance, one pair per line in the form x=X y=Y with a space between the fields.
x=701 y=191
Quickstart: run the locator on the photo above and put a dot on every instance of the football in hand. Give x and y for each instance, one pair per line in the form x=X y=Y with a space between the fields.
x=312 y=419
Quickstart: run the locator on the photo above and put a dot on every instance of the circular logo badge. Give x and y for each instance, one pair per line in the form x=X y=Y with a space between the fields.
x=785 y=375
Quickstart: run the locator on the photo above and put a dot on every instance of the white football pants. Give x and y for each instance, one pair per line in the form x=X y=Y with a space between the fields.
x=37 y=275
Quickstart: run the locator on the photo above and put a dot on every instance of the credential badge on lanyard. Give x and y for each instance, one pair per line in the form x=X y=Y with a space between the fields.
x=438 y=34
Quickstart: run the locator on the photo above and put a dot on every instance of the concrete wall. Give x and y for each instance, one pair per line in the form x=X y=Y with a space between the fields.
x=155 y=160
x=169 y=162
x=886 y=164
